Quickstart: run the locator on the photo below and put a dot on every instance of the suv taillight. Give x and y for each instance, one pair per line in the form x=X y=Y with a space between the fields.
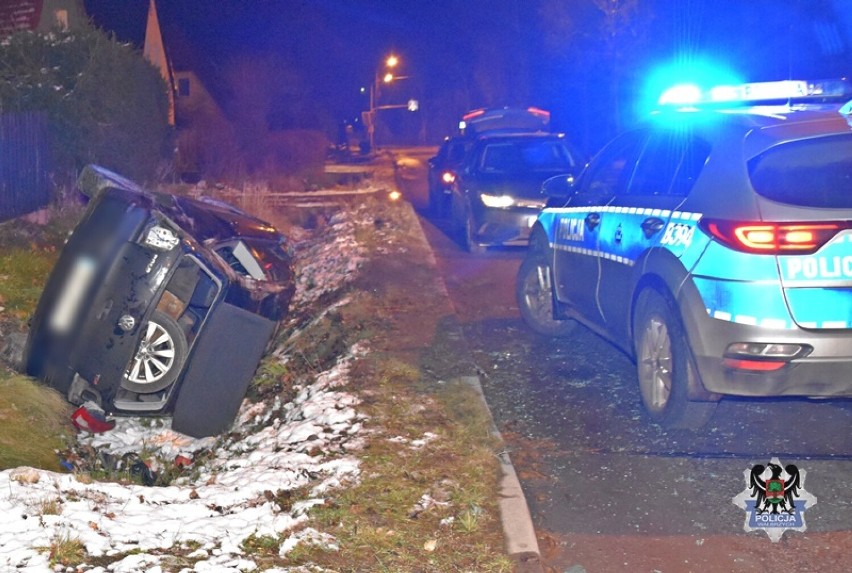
x=773 y=238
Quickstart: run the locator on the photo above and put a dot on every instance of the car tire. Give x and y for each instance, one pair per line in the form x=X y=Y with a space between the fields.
x=534 y=293
x=436 y=203
x=664 y=364
x=159 y=358
x=469 y=235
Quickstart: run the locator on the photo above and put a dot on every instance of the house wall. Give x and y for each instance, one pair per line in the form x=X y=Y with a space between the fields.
x=154 y=50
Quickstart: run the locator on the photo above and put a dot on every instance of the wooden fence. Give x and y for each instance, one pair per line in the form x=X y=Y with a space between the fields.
x=24 y=164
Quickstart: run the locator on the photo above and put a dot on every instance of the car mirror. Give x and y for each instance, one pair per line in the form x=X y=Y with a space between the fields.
x=560 y=186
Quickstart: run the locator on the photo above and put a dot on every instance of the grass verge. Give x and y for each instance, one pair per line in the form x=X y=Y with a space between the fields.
x=34 y=423
x=34 y=420
x=426 y=500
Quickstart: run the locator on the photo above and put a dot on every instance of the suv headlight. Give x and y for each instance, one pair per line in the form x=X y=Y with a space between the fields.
x=497 y=201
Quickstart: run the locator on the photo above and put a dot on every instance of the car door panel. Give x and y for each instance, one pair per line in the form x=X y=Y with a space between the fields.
x=579 y=255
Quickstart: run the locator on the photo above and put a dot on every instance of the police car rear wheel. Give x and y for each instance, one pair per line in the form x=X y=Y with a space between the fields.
x=534 y=294
x=663 y=366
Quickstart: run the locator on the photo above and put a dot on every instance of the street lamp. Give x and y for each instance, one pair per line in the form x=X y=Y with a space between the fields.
x=391 y=62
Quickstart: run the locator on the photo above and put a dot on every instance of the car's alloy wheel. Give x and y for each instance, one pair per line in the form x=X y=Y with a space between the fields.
x=534 y=293
x=654 y=361
x=664 y=366
x=159 y=358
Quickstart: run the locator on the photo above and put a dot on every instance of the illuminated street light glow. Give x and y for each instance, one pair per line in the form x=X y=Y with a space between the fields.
x=369 y=116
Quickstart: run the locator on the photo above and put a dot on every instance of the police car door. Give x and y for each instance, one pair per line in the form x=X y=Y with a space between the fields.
x=645 y=221
x=577 y=251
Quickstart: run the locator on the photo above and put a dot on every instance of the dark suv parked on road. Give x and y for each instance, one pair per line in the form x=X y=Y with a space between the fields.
x=160 y=304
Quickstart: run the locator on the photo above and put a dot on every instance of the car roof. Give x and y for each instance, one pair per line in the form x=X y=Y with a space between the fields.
x=513 y=134
x=738 y=135
x=757 y=128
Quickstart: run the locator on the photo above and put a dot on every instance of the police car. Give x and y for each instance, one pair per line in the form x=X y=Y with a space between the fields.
x=713 y=244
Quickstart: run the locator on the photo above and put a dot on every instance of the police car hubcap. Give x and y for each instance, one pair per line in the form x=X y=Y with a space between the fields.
x=656 y=365
x=537 y=293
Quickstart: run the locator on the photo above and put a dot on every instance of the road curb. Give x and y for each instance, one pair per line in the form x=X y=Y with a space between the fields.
x=521 y=542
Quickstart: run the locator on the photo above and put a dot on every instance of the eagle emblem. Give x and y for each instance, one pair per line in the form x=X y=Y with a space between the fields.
x=775 y=498
x=775 y=494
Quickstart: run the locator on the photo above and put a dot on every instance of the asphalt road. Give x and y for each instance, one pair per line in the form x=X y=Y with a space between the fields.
x=609 y=490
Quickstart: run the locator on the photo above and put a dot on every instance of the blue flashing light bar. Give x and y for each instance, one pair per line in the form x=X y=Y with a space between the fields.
x=785 y=90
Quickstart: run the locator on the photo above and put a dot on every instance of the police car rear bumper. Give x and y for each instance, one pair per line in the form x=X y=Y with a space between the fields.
x=810 y=378
x=825 y=372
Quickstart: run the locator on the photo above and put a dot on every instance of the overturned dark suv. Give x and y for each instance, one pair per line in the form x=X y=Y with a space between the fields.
x=160 y=304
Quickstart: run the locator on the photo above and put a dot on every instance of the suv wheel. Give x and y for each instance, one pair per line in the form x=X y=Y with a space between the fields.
x=534 y=293
x=437 y=202
x=469 y=233
x=663 y=363
x=159 y=358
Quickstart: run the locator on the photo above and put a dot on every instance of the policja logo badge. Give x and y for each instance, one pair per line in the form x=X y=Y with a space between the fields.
x=774 y=499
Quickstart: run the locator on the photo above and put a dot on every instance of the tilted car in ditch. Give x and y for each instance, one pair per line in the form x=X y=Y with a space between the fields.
x=160 y=304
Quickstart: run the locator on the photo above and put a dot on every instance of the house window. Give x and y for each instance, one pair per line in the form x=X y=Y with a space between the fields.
x=60 y=19
x=183 y=87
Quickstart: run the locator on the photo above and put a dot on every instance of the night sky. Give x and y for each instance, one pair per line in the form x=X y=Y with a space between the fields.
x=461 y=54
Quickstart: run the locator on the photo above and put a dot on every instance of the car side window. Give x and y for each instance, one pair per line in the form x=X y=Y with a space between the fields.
x=669 y=164
x=609 y=172
x=695 y=155
x=457 y=151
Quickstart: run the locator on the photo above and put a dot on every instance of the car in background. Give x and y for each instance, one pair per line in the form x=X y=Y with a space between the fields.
x=442 y=172
x=160 y=304
x=713 y=244
x=444 y=165
x=496 y=194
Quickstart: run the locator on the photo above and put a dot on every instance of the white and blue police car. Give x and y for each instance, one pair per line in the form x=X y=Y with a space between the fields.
x=713 y=244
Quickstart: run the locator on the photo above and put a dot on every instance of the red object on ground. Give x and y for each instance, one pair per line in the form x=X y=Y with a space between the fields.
x=91 y=420
x=182 y=461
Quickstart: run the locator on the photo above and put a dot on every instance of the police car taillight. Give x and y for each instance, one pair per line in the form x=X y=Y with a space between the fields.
x=772 y=238
x=763 y=356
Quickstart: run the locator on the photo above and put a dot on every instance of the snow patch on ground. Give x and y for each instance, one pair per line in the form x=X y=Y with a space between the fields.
x=232 y=497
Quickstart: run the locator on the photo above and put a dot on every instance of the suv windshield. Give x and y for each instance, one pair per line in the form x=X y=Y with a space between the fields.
x=810 y=173
x=526 y=156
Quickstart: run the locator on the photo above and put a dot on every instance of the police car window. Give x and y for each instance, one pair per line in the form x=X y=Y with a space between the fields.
x=656 y=166
x=609 y=172
x=812 y=172
x=695 y=154
x=669 y=164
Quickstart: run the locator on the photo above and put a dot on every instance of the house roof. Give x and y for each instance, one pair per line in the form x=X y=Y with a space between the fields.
x=19 y=15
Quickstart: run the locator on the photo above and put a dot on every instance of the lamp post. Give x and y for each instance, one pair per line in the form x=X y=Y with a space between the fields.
x=390 y=63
